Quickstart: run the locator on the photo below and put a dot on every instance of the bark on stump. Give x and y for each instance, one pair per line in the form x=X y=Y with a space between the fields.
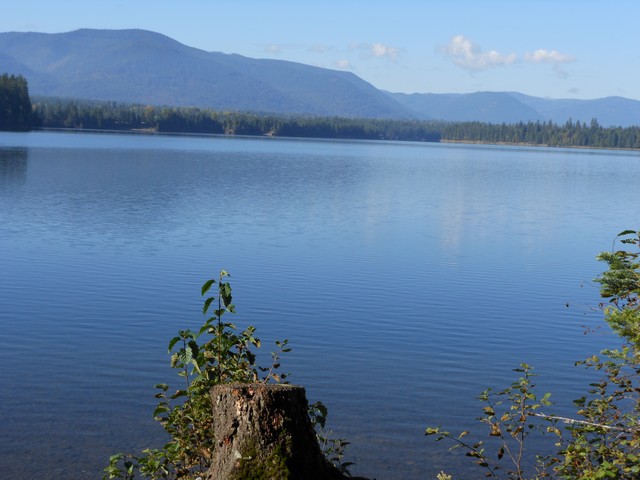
x=263 y=431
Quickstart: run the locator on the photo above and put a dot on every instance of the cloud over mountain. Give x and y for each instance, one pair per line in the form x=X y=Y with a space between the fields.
x=377 y=50
x=383 y=51
x=548 y=56
x=552 y=57
x=470 y=56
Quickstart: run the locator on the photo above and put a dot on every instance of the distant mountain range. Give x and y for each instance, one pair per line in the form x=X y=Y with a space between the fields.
x=513 y=107
x=138 y=66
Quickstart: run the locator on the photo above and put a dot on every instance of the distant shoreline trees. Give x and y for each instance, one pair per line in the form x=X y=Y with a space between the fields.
x=56 y=113
x=16 y=112
x=79 y=114
x=569 y=134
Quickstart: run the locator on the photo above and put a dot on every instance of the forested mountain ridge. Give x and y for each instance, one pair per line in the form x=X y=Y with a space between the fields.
x=138 y=66
x=146 y=67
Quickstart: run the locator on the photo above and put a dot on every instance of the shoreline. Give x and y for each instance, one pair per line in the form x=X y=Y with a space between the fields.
x=149 y=131
x=541 y=145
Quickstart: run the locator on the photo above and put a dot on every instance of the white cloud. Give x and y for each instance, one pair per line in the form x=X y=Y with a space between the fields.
x=344 y=65
x=466 y=54
x=553 y=57
x=548 y=56
x=273 y=49
x=377 y=50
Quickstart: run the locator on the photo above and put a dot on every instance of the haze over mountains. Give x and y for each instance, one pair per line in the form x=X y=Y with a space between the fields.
x=138 y=66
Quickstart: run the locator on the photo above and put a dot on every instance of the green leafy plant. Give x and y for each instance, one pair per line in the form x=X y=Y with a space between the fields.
x=511 y=416
x=332 y=448
x=217 y=353
x=603 y=440
x=620 y=284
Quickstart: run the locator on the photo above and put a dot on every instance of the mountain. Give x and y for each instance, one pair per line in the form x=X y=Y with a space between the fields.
x=139 y=66
x=492 y=107
x=513 y=107
x=609 y=111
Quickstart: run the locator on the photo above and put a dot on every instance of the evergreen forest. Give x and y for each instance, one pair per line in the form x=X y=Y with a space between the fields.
x=77 y=114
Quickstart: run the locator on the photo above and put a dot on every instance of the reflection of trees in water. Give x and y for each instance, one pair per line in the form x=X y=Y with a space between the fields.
x=13 y=165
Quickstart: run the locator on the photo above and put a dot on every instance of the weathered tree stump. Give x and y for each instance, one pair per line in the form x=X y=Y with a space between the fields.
x=263 y=431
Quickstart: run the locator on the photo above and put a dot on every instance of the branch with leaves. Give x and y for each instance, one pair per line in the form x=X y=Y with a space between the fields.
x=604 y=440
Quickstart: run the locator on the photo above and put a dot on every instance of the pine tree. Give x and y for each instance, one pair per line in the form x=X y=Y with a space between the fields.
x=16 y=113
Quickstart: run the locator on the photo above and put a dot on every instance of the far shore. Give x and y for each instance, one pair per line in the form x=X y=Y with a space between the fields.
x=151 y=131
x=541 y=145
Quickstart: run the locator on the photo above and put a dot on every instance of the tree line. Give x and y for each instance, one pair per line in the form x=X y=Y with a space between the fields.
x=56 y=113
x=570 y=134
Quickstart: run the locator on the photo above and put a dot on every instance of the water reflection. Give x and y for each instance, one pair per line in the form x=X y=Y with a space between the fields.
x=13 y=165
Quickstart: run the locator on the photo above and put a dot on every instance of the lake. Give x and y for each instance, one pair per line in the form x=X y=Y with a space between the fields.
x=407 y=277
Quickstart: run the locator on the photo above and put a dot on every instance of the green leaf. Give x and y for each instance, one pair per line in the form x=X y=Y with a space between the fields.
x=206 y=286
x=194 y=348
x=174 y=360
x=172 y=343
x=627 y=232
x=186 y=355
x=160 y=409
x=203 y=329
x=178 y=394
x=225 y=294
x=207 y=302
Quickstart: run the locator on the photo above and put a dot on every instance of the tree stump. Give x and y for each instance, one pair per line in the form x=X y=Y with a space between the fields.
x=263 y=431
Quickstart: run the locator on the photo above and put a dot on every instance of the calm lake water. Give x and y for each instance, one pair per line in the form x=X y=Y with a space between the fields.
x=407 y=277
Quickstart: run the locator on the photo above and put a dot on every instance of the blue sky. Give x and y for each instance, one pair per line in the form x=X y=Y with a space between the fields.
x=546 y=48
